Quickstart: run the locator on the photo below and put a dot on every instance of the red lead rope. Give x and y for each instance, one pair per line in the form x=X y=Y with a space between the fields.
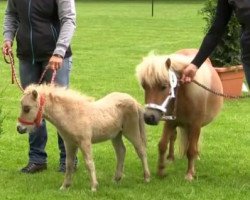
x=13 y=72
x=12 y=66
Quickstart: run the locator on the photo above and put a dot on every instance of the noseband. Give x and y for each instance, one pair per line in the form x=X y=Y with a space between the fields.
x=37 y=121
x=163 y=107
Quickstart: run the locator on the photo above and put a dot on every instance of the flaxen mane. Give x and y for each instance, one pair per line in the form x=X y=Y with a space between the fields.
x=58 y=93
x=152 y=69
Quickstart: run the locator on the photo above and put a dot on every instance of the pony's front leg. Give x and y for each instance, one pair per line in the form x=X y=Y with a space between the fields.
x=162 y=148
x=192 y=151
x=71 y=150
x=86 y=149
x=120 y=151
x=172 y=139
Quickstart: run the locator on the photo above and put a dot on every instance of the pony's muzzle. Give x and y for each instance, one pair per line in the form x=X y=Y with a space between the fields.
x=152 y=117
x=21 y=129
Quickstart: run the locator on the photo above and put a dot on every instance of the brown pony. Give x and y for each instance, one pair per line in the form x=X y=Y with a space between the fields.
x=82 y=121
x=186 y=106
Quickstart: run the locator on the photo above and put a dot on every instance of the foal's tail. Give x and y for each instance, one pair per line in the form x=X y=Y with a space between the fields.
x=142 y=125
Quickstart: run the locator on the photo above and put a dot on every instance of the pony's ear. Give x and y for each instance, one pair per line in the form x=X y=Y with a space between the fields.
x=168 y=63
x=34 y=94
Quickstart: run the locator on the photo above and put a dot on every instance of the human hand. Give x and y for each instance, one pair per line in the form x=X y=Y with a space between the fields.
x=7 y=47
x=189 y=73
x=55 y=62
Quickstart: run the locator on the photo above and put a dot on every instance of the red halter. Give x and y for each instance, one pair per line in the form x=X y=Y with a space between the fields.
x=37 y=121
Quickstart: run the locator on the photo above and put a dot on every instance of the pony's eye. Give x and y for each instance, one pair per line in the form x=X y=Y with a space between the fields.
x=26 y=109
x=163 y=87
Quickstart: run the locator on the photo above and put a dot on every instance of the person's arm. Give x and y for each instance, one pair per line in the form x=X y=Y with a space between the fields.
x=213 y=36
x=10 y=26
x=11 y=22
x=67 y=17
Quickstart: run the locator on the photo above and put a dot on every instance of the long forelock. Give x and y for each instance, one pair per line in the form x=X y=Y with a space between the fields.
x=152 y=70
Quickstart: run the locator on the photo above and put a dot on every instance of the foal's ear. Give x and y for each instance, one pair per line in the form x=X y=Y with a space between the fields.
x=34 y=94
x=168 y=63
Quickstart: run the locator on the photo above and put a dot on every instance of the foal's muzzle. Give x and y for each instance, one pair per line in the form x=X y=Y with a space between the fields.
x=21 y=129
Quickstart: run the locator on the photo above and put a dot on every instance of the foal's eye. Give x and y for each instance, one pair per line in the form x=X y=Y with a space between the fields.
x=26 y=109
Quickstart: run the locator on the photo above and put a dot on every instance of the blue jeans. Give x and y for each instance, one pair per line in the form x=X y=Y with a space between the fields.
x=31 y=73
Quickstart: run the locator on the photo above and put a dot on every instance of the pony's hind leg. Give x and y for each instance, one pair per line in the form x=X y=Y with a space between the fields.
x=71 y=150
x=86 y=150
x=120 y=151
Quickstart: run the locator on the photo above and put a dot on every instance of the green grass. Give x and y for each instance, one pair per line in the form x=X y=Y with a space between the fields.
x=110 y=40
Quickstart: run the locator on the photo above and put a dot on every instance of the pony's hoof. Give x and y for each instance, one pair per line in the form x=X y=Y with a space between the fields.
x=189 y=177
x=161 y=173
x=93 y=189
x=170 y=159
x=117 y=179
x=63 y=188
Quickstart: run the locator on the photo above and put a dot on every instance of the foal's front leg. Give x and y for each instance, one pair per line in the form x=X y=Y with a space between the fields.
x=86 y=149
x=71 y=150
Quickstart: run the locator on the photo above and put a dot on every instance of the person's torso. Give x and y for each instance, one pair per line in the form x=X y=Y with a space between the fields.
x=242 y=10
x=38 y=29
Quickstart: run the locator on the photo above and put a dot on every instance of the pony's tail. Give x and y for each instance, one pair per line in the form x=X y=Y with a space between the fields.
x=183 y=142
x=142 y=126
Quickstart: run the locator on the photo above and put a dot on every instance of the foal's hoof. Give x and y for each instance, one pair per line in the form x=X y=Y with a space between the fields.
x=94 y=187
x=147 y=180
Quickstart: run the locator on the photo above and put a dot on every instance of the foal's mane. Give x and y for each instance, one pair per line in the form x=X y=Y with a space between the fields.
x=58 y=92
x=153 y=70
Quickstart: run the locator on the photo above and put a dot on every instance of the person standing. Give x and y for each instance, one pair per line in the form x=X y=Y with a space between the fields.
x=43 y=30
x=224 y=11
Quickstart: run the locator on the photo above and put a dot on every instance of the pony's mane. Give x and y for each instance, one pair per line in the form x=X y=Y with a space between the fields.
x=152 y=69
x=58 y=91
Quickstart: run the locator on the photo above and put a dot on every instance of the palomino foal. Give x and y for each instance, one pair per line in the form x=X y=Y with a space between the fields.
x=82 y=121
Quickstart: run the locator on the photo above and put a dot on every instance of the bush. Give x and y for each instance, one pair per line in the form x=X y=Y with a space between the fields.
x=228 y=51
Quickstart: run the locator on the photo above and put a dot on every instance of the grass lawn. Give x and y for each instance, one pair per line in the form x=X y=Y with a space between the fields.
x=110 y=40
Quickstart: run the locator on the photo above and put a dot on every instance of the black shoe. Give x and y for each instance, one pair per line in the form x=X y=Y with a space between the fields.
x=32 y=168
x=62 y=168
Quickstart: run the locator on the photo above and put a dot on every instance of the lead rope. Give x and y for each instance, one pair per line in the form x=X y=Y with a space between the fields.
x=12 y=66
x=52 y=78
x=220 y=94
x=14 y=79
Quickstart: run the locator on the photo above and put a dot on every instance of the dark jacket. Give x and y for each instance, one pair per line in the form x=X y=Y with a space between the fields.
x=37 y=26
x=223 y=14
